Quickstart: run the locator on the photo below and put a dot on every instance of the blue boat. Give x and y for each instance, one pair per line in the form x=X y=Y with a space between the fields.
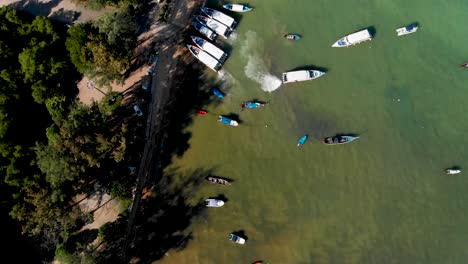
x=302 y=140
x=252 y=104
x=227 y=121
x=217 y=92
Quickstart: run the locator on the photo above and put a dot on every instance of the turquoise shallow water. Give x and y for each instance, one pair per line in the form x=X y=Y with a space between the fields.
x=381 y=199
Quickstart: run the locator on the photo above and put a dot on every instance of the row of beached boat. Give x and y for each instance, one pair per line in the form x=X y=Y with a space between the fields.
x=210 y=25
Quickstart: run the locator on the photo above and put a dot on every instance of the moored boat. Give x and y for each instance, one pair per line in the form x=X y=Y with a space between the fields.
x=201 y=112
x=215 y=25
x=219 y=16
x=407 y=30
x=452 y=171
x=227 y=121
x=205 y=31
x=217 y=92
x=298 y=76
x=213 y=203
x=237 y=239
x=292 y=36
x=218 y=180
x=353 y=39
x=237 y=8
x=337 y=140
x=205 y=58
x=214 y=51
x=302 y=140
x=464 y=65
x=252 y=104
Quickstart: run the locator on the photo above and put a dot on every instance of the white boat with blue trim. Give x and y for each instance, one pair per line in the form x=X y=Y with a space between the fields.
x=237 y=8
x=219 y=16
x=205 y=31
x=206 y=58
x=407 y=30
x=214 y=51
x=353 y=39
x=215 y=25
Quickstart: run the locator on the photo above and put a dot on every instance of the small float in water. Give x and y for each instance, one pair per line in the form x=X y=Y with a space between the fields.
x=292 y=36
x=464 y=65
x=237 y=8
x=227 y=121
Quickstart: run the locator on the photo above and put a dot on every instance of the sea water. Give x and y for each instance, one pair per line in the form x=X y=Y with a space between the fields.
x=381 y=199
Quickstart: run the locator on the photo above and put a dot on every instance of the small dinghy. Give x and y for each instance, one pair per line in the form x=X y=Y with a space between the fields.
x=464 y=65
x=237 y=239
x=201 y=112
x=227 y=121
x=407 y=30
x=252 y=104
x=217 y=180
x=302 y=140
x=237 y=8
x=217 y=92
x=213 y=203
x=452 y=171
x=292 y=36
x=338 y=140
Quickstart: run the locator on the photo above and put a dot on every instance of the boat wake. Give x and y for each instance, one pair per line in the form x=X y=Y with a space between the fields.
x=256 y=69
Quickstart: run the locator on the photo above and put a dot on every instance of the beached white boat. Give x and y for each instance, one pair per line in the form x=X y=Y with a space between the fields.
x=353 y=39
x=299 y=76
x=215 y=25
x=219 y=16
x=204 y=30
x=213 y=203
x=214 y=51
x=237 y=8
x=206 y=58
x=407 y=30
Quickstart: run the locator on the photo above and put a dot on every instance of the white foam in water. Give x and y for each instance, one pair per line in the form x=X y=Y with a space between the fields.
x=227 y=78
x=256 y=68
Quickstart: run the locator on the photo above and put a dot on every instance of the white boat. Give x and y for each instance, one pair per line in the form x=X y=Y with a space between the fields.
x=452 y=171
x=206 y=58
x=215 y=25
x=214 y=203
x=237 y=8
x=353 y=39
x=299 y=76
x=214 y=51
x=204 y=30
x=237 y=239
x=221 y=17
x=407 y=30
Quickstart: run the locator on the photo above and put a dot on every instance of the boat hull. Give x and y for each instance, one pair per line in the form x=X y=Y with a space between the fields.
x=299 y=76
x=205 y=31
x=205 y=58
x=237 y=8
x=252 y=105
x=217 y=92
x=217 y=180
x=339 y=140
x=353 y=39
x=292 y=37
x=302 y=140
x=214 y=51
x=227 y=121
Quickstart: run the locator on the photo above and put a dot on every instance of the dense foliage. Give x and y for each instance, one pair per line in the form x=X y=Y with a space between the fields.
x=103 y=50
x=51 y=147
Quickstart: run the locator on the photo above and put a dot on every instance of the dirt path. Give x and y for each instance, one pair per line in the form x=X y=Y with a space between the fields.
x=161 y=85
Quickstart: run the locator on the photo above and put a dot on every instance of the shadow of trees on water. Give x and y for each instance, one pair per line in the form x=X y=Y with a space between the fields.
x=165 y=213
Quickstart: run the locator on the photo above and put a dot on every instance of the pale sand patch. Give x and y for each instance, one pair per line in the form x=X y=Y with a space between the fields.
x=104 y=208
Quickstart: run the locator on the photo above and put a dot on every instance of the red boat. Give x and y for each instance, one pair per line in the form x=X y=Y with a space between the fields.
x=202 y=112
x=258 y=262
